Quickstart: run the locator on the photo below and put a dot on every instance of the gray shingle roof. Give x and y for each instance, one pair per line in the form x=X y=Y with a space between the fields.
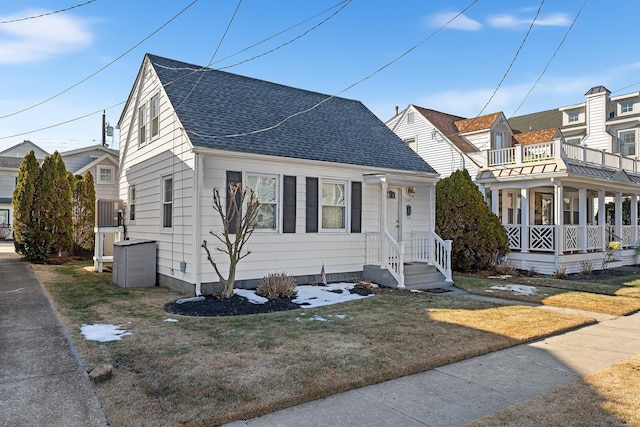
x=537 y=121
x=338 y=130
x=10 y=162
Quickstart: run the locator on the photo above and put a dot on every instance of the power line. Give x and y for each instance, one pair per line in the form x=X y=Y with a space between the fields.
x=513 y=60
x=313 y=107
x=103 y=68
x=192 y=69
x=63 y=123
x=551 y=59
x=47 y=13
x=224 y=35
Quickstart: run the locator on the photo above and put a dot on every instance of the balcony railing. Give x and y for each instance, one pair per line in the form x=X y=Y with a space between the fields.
x=535 y=153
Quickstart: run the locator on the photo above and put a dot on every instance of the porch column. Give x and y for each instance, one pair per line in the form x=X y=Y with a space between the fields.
x=559 y=221
x=383 y=221
x=634 y=220
x=495 y=202
x=602 y=219
x=582 y=220
x=524 y=223
x=618 y=220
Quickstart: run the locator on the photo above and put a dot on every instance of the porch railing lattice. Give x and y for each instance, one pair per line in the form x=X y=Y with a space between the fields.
x=542 y=237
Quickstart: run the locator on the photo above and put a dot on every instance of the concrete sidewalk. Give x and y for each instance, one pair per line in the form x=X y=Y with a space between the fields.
x=461 y=392
x=40 y=381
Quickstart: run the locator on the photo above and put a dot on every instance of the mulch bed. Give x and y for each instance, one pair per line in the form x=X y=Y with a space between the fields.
x=214 y=306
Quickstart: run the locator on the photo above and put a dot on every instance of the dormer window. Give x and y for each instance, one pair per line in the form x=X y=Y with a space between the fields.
x=574 y=117
x=627 y=107
x=499 y=141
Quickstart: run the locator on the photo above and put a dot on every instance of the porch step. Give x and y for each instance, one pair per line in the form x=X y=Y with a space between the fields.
x=416 y=276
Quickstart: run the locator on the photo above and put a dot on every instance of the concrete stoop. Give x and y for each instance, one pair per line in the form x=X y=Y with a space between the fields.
x=416 y=276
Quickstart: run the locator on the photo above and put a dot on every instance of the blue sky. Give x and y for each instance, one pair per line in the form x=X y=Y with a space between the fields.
x=454 y=70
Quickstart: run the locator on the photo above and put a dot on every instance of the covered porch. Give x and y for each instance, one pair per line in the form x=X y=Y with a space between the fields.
x=405 y=247
x=562 y=213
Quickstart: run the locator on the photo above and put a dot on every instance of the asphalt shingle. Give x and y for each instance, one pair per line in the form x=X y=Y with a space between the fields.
x=232 y=112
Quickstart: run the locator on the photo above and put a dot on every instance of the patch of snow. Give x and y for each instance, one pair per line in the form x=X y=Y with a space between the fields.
x=318 y=318
x=169 y=319
x=341 y=316
x=502 y=277
x=103 y=332
x=251 y=296
x=190 y=299
x=333 y=293
x=517 y=289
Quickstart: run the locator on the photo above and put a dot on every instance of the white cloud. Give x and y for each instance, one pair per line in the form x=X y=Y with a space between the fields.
x=37 y=39
x=512 y=21
x=460 y=23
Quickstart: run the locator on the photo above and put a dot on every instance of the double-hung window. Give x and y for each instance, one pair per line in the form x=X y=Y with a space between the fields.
x=500 y=140
x=627 y=107
x=132 y=202
x=155 y=115
x=4 y=217
x=167 y=202
x=142 y=125
x=105 y=174
x=627 y=142
x=266 y=191
x=574 y=117
x=334 y=206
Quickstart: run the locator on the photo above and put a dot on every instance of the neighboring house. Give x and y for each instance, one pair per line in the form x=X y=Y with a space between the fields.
x=329 y=175
x=10 y=160
x=102 y=162
x=549 y=183
x=449 y=142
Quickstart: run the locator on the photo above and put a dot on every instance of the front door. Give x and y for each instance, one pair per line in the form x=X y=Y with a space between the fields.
x=393 y=213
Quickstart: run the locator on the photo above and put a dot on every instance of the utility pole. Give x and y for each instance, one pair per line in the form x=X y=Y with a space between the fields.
x=104 y=128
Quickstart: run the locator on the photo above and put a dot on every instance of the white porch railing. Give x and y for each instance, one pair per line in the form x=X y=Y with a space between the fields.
x=558 y=150
x=428 y=247
x=542 y=237
x=388 y=254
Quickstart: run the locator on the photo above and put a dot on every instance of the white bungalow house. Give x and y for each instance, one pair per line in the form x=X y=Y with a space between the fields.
x=331 y=178
x=549 y=184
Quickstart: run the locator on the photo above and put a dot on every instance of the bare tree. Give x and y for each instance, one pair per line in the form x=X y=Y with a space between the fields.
x=237 y=229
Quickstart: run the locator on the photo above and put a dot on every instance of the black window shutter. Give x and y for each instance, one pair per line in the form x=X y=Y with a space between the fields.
x=289 y=204
x=356 y=207
x=232 y=179
x=312 y=205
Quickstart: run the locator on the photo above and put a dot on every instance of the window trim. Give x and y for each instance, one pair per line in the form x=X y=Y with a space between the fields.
x=278 y=200
x=112 y=174
x=573 y=117
x=154 y=121
x=622 y=143
x=346 y=205
x=166 y=203
x=132 y=202
x=143 y=123
x=626 y=107
x=8 y=223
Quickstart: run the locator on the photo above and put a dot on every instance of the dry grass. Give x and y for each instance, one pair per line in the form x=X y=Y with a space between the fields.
x=208 y=371
x=560 y=293
x=606 y=398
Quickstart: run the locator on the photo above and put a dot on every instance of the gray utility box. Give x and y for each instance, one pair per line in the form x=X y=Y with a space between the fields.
x=134 y=263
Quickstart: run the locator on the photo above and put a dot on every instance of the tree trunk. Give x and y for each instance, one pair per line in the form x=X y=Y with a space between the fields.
x=229 y=283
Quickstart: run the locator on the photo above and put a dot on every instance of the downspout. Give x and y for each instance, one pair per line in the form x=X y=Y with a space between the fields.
x=197 y=220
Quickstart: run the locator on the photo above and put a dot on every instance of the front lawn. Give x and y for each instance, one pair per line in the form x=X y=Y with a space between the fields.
x=599 y=297
x=208 y=371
